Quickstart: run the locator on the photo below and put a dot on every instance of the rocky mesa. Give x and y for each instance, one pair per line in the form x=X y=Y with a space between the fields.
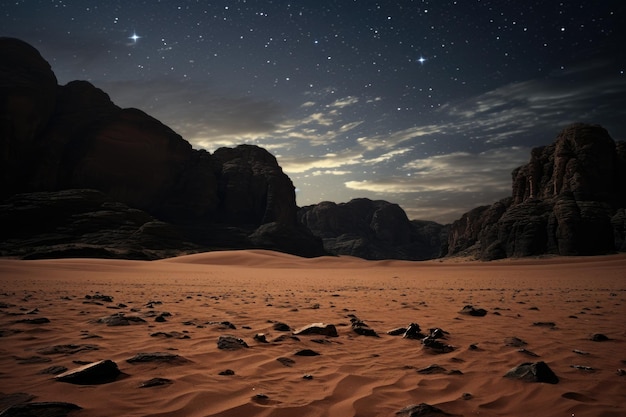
x=73 y=137
x=569 y=199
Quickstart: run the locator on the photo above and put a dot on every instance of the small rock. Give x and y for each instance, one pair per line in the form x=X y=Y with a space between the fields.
x=621 y=372
x=318 y=329
x=583 y=368
x=599 y=337
x=413 y=331
x=436 y=346
x=472 y=311
x=155 y=382
x=580 y=352
x=161 y=357
x=528 y=352
x=227 y=372
x=100 y=372
x=533 y=372
x=120 y=319
x=550 y=324
x=230 y=343
x=281 y=327
x=307 y=377
x=31 y=360
x=432 y=369
x=171 y=335
x=306 y=352
x=38 y=320
x=466 y=396
x=260 y=337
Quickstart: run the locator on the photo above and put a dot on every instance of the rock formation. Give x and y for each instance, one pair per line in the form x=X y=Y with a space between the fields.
x=569 y=199
x=58 y=138
x=373 y=230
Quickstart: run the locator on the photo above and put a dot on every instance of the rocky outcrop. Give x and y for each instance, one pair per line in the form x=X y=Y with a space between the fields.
x=372 y=230
x=72 y=137
x=568 y=200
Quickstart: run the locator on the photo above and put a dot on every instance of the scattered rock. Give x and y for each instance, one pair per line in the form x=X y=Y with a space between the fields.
x=120 y=319
x=101 y=372
x=599 y=337
x=621 y=372
x=580 y=352
x=306 y=352
x=260 y=337
x=432 y=369
x=533 y=372
x=472 y=311
x=413 y=331
x=307 y=377
x=230 y=343
x=550 y=324
x=227 y=372
x=155 y=382
x=514 y=341
x=466 y=396
x=161 y=357
x=318 y=329
x=100 y=297
x=528 y=352
x=420 y=410
x=281 y=327
x=583 y=368
x=435 y=346
x=40 y=409
x=38 y=320
x=171 y=335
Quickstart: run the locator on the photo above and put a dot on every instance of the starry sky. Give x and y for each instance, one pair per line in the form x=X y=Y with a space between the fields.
x=426 y=103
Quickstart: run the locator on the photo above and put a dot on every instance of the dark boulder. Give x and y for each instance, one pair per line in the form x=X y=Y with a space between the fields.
x=100 y=372
x=231 y=343
x=421 y=410
x=533 y=372
x=318 y=329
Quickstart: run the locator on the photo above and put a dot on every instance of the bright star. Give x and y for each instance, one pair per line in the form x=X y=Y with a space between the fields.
x=134 y=37
x=421 y=60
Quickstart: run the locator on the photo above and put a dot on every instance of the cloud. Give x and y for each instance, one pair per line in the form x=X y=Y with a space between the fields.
x=299 y=164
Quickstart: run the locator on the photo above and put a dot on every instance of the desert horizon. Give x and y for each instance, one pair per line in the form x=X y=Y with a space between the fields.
x=535 y=310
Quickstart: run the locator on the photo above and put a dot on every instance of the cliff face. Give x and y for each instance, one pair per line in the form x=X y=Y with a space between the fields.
x=373 y=230
x=568 y=200
x=56 y=138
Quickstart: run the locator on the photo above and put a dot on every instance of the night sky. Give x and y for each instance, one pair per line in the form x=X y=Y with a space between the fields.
x=428 y=104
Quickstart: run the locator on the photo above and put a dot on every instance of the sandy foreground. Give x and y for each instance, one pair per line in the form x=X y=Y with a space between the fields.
x=555 y=305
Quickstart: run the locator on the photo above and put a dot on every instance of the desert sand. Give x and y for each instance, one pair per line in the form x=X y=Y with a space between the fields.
x=555 y=305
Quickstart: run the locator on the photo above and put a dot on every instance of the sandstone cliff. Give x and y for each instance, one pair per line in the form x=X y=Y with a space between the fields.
x=373 y=230
x=57 y=138
x=568 y=200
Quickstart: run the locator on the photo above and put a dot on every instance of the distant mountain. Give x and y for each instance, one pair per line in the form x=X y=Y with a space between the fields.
x=570 y=199
x=73 y=137
x=373 y=230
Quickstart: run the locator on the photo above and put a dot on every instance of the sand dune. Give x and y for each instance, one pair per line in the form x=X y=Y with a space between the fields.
x=555 y=305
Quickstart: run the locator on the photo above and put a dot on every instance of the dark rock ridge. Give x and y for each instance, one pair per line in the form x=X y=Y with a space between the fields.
x=570 y=199
x=73 y=137
x=373 y=230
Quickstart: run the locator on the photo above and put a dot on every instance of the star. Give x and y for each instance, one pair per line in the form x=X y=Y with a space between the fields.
x=421 y=60
x=134 y=37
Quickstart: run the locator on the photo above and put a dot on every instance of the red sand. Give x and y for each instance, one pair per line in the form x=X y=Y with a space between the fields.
x=354 y=375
